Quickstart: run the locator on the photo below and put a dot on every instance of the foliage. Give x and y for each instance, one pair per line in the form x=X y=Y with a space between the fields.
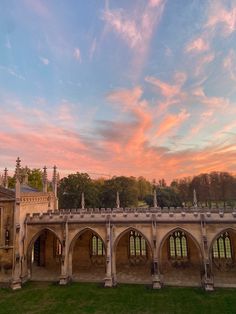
x=71 y=188
x=166 y=197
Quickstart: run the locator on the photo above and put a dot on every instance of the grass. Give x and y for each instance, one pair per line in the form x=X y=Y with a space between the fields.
x=92 y=298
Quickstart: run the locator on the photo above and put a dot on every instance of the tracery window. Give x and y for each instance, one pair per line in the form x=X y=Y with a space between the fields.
x=97 y=247
x=222 y=247
x=178 y=245
x=137 y=244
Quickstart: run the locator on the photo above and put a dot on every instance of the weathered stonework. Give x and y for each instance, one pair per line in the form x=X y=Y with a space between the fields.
x=40 y=242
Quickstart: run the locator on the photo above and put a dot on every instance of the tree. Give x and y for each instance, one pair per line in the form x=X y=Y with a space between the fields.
x=127 y=188
x=71 y=188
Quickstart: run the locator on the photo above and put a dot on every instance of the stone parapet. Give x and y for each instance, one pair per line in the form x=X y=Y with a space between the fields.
x=126 y=215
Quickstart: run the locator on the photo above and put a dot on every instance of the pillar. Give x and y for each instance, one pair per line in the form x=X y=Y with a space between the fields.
x=17 y=234
x=208 y=281
x=156 y=282
x=65 y=278
x=108 y=281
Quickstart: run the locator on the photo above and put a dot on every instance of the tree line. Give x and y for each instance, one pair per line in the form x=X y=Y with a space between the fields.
x=215 y=189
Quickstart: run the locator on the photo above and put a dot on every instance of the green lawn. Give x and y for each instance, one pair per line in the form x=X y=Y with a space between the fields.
x=92 y=298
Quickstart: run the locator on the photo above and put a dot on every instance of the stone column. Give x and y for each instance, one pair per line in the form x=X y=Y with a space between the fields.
x=208 y=277
x=156 y=281
x=108 y=282
x=17 y=234
x=64 y=278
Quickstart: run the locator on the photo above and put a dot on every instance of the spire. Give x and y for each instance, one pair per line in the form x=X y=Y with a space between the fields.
x=45 y=180
x=82 y=201
x=117 y=200
x=54 y=181
x=54 y=187
x=17 y=174
x=5 y=179
x=194 y=198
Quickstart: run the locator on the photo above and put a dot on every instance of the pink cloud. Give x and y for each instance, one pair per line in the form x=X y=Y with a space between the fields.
x=168 y=90
x=220 y=16
x=198 y=45
x=229 y=64
x=136 y=29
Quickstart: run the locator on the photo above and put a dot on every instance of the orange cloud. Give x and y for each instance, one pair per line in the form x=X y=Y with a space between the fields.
x=171 y=122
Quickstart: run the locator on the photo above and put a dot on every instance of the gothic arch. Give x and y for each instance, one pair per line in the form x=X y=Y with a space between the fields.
x=79 y=233
x=83 y=265
x=38 y=233
x=223 y=230
x=187 y=233
x=128 y=230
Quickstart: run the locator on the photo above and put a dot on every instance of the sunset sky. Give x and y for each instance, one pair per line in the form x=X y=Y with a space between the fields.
x=143 y=88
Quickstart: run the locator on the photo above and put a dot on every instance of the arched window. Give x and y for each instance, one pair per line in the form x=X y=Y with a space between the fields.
x=222 y=247
x=178 y=245
x=97 y=247
x=137 y=244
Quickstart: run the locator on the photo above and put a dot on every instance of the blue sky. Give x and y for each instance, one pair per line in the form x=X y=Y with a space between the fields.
x=142 y=87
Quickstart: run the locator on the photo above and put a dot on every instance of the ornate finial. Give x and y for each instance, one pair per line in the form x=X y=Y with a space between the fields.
x=5 y=179
x=155 y=198
x=194 y=198
x=82 y=201
x=54 y=176
x=18 y=161
x=154 y=194
x=117 y=200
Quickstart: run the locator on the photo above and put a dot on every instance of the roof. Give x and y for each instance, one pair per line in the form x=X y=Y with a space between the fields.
x=6 y=194
x=24 y=188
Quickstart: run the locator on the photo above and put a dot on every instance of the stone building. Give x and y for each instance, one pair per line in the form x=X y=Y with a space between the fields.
x=168 y=246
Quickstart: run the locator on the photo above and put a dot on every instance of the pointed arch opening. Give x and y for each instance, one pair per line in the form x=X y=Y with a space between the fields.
x=44 y=256
x=88 y=256
x=180 y=257
x=223 y=255
x=133 y=256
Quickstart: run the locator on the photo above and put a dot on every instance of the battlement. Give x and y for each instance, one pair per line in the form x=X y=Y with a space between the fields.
x=132 y=215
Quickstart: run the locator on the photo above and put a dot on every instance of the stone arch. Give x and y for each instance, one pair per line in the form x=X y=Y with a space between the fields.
x=37 y=234
x=79 y=233
x=128 y=230
x=186 y=271
x=84 y=265
x=127 y=268
x=229 y=229
x=48 y=264
x=224 y=269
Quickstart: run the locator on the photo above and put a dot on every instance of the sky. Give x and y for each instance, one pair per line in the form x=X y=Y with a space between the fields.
x=136 y=88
